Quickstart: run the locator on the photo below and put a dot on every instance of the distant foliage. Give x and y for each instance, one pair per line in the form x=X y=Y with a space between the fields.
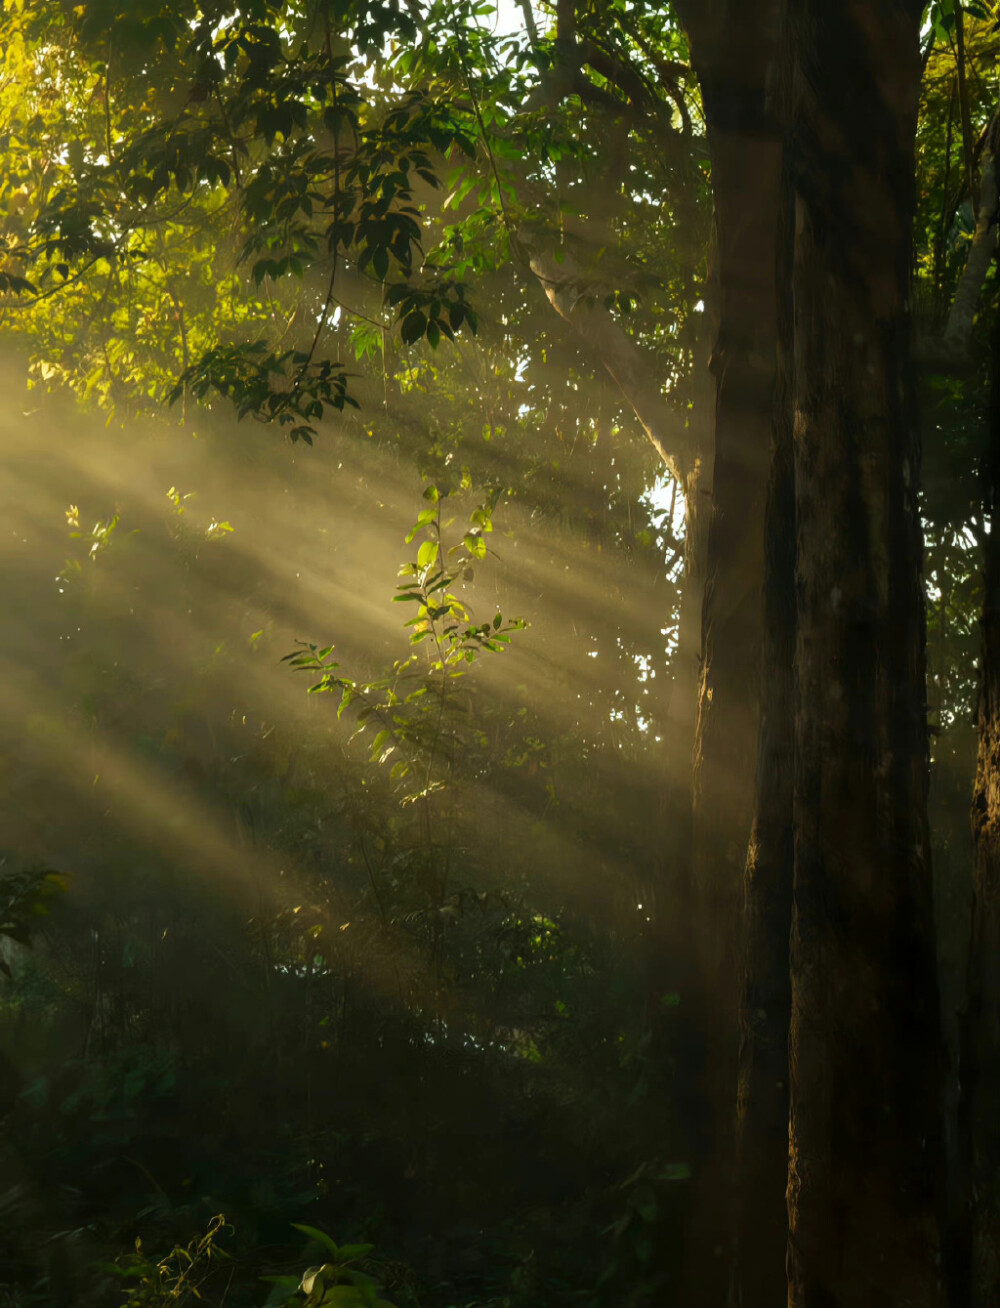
x=25 y=898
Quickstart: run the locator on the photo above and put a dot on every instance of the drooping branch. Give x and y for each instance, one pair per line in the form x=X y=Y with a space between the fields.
x=951 y=349
x=623 y=360
x=958 y=330
x=628 y=365
x=617 y=72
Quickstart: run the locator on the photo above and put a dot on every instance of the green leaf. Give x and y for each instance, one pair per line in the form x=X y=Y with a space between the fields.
x=676 y=1172
x=414 y=326
x=424 y=519
x=362 y=1279
x=284 y=1288
x=344 y=1296
x=313 y=1274
x=351 y=1251
x=427 y=554
x=319 y=1236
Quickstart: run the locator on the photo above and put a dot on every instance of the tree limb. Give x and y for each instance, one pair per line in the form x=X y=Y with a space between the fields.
x=529 y=21
x=622 y=359
x=952 y=348
x=958 y=331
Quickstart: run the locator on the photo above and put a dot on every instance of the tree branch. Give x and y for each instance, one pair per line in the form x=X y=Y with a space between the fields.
x=624 y=362
x=951 y=348
x=958 y=330
x=529 y=21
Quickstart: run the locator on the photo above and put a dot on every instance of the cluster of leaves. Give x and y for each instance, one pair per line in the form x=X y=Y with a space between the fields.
x=190 y=1272
x=294 y=151
x=244 y=375
x=941 y=18
x=25 y=897
x=412 y=709
x=178 y=1277
x=342 y=1281
x=257 y=126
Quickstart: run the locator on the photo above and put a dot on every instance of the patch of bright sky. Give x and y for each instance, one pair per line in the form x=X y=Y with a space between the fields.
x=666 y=500
x=510 y=18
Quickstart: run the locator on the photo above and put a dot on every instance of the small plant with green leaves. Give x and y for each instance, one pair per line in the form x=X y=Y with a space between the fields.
x=413 y=711
x=96 y=541
x=179 y=505
x=419 y=718
x=24 y=898
x=203 y=1272
x=344 y=1280
x=177 y=1278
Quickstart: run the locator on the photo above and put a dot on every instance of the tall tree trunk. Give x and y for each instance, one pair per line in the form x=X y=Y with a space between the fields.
x=745 y=170
x=732 y=47
x=981 y=1035
x=864 y=1042
x=761 y=1219
x=732 y=62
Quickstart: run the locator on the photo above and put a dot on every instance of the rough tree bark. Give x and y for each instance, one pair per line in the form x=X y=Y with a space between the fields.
x=865 y=1044
x=745 y=170
x=732 y=46
x=981 y=1028
x=761 y=1175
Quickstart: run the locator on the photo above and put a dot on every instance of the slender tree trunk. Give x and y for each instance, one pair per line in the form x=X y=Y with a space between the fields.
x=981 y=1035
x=865 y=1044
x=761 y=1225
